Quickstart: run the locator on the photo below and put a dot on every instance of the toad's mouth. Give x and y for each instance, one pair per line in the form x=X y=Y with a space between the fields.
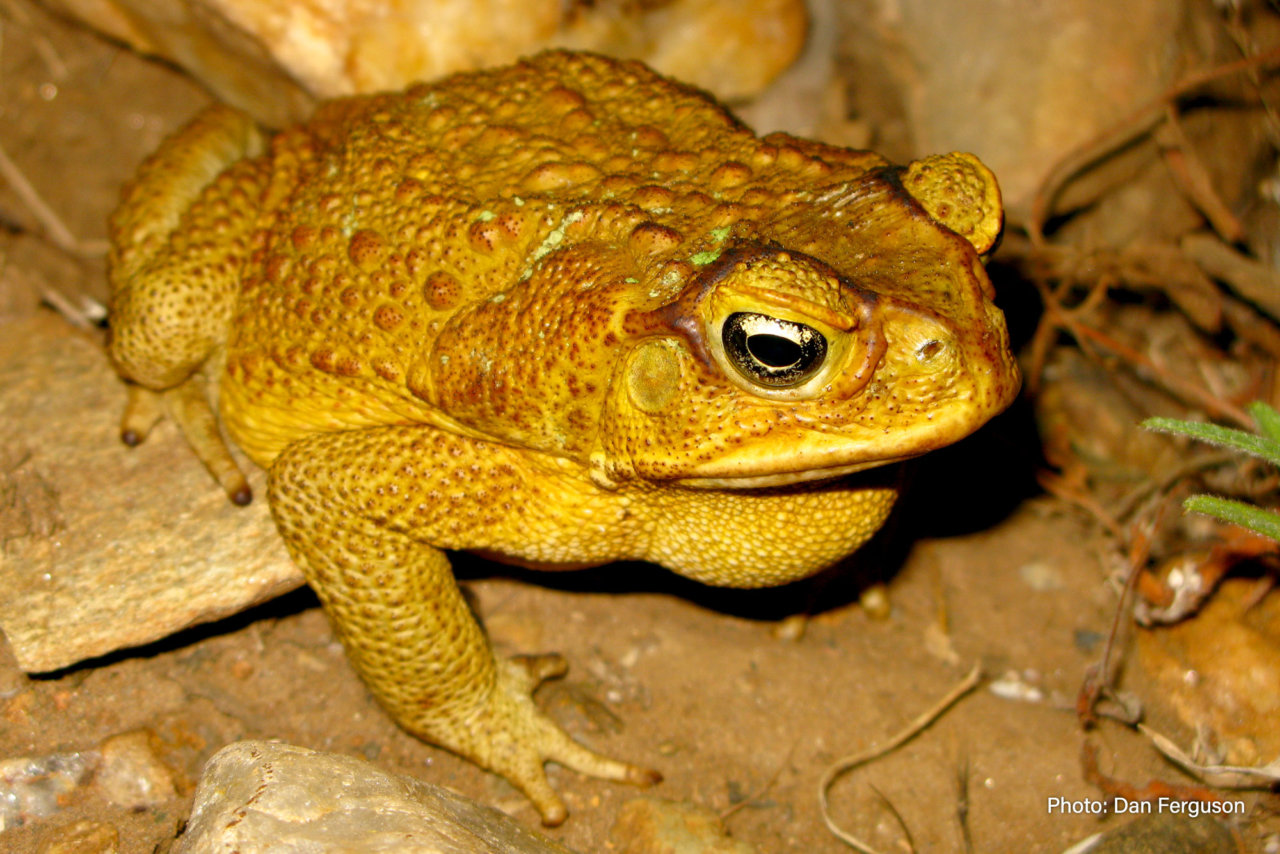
x=806 y=454
x=767 y=481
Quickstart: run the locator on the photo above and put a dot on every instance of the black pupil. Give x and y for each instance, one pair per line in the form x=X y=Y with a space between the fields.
x=770 y=351
x=774 y=350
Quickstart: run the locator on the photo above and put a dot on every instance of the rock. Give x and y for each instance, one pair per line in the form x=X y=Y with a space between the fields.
x=1162 y=834
x=809 y=99
x=1219 y=671
x=1018 y=83
x=273 y=59
x=113 y=547
x=659 y=826
x=131 y=775
x=258 y=796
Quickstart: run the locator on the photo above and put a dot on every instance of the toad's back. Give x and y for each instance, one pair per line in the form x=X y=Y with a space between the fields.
x=387 y=215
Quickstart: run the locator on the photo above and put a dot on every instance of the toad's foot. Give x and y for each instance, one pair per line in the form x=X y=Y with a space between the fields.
x=512 y=737
x=188 y=405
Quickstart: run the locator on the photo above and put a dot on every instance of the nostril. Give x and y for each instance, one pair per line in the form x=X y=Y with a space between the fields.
x=929 y=350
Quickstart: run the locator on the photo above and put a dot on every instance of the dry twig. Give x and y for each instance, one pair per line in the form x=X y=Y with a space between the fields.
x=762 y=790
x=1154 y=790
x=1252 y=280
x=848 y=763
x=1222 y=776
x=1192 y=178
x=1098 y=679
x=1179 y=272
x=1188 y=392
x=1134 y=126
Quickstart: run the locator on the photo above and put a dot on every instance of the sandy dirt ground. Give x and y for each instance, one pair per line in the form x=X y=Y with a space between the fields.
x=739 y=704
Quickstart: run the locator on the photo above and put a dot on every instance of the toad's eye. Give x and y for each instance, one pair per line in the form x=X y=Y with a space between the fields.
x=773 y=352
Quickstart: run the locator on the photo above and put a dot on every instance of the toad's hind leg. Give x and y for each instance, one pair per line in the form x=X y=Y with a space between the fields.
x=357 y=511
x=178 y=239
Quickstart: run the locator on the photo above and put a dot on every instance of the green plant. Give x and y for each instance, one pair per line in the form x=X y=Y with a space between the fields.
x=1265 y=445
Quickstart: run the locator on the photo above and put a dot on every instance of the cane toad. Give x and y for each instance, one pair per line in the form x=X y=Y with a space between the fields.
x=562 y=313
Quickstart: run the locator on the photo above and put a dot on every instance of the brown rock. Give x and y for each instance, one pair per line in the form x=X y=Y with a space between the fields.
x=109 y=547
x=1220 y=672
x=1020 y=83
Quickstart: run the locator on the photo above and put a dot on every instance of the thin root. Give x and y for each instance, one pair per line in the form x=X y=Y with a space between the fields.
x=848 y=763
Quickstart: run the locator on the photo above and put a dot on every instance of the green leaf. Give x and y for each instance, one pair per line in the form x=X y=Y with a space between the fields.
x=1267 y=419
x=1256 y=519
x=1265 y=445
x=1262 y=447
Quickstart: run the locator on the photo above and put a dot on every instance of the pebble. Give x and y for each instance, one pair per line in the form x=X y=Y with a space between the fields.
x=131 y=775
x=657 y=826
x=33 y=787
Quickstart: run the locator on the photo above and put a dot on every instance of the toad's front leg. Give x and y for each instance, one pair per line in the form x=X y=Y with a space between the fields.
x=358 y=511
